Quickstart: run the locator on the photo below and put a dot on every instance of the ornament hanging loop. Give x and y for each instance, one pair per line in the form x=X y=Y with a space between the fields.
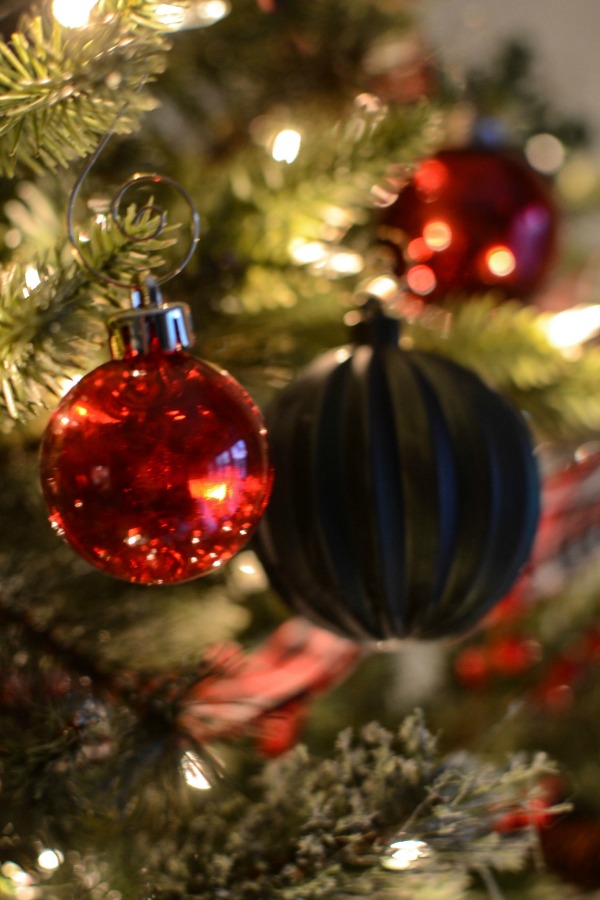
x=148 y=210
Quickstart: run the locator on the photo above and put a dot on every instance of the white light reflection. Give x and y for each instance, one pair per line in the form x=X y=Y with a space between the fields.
x=345 y=262
x=32 y=280
x=286 y=145
x=73 y=13
x=404 y=854
x=193 y=772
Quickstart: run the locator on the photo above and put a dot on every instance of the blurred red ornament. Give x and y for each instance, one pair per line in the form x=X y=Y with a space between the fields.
x=267 y=691
x=154 y=466
x=471 y=220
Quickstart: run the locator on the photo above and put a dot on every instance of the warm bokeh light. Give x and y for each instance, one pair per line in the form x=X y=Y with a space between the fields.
x=437 y=235
x=247 y=573
x=198 y=15
x=73 y=13
x=545 y=153
x=404 y=854
x=15 y=873
x=500 y=261
x=573 y=326
x=382 y=286
x=579 y=178
x=307 y=252
x=421 y=279
x=286 y=145
x=50 y=860
x=431 y=176
x=344 y=262
x=418 y=251
x=207 y=12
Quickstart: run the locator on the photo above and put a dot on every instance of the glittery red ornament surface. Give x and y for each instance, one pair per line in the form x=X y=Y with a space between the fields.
x=155 y=467
x=472 y=220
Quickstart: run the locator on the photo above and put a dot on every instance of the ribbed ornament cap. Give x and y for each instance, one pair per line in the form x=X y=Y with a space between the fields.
x=150 y=324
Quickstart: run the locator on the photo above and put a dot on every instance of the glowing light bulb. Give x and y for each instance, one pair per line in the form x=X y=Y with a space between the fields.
x=343 y=262
x=193 y=772
x=73 y=13
x=50 y=859
x=286 y=145
x=404 y=854
x=573 y=326
x=500 y=261
x=437 y=235
x=307 y=252
x=383 y=286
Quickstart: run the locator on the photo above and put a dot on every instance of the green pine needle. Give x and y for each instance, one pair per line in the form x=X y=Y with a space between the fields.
x=508 y=345
x=48 y=332
x=61 y=91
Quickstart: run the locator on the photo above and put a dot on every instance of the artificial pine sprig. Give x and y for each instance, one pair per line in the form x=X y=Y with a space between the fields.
x=508 y=345
x=48 y=331
x=320 y=829
x=61 y=89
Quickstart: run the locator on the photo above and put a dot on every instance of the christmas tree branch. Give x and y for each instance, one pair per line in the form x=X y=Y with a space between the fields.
x=60 y=91
x=508 y=344
x=46 y=329
x=338 y=827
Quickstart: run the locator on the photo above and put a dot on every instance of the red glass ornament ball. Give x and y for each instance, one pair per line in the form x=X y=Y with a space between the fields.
x=155 y=467
x=471 y=220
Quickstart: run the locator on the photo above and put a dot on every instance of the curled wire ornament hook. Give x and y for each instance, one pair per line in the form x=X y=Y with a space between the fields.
x=150 y=208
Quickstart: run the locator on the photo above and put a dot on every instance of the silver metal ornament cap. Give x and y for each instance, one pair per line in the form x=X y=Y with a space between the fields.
x=150 y=324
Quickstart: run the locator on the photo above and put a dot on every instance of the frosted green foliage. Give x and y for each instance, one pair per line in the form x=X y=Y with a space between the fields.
x=60 y=91
x=319 y=829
